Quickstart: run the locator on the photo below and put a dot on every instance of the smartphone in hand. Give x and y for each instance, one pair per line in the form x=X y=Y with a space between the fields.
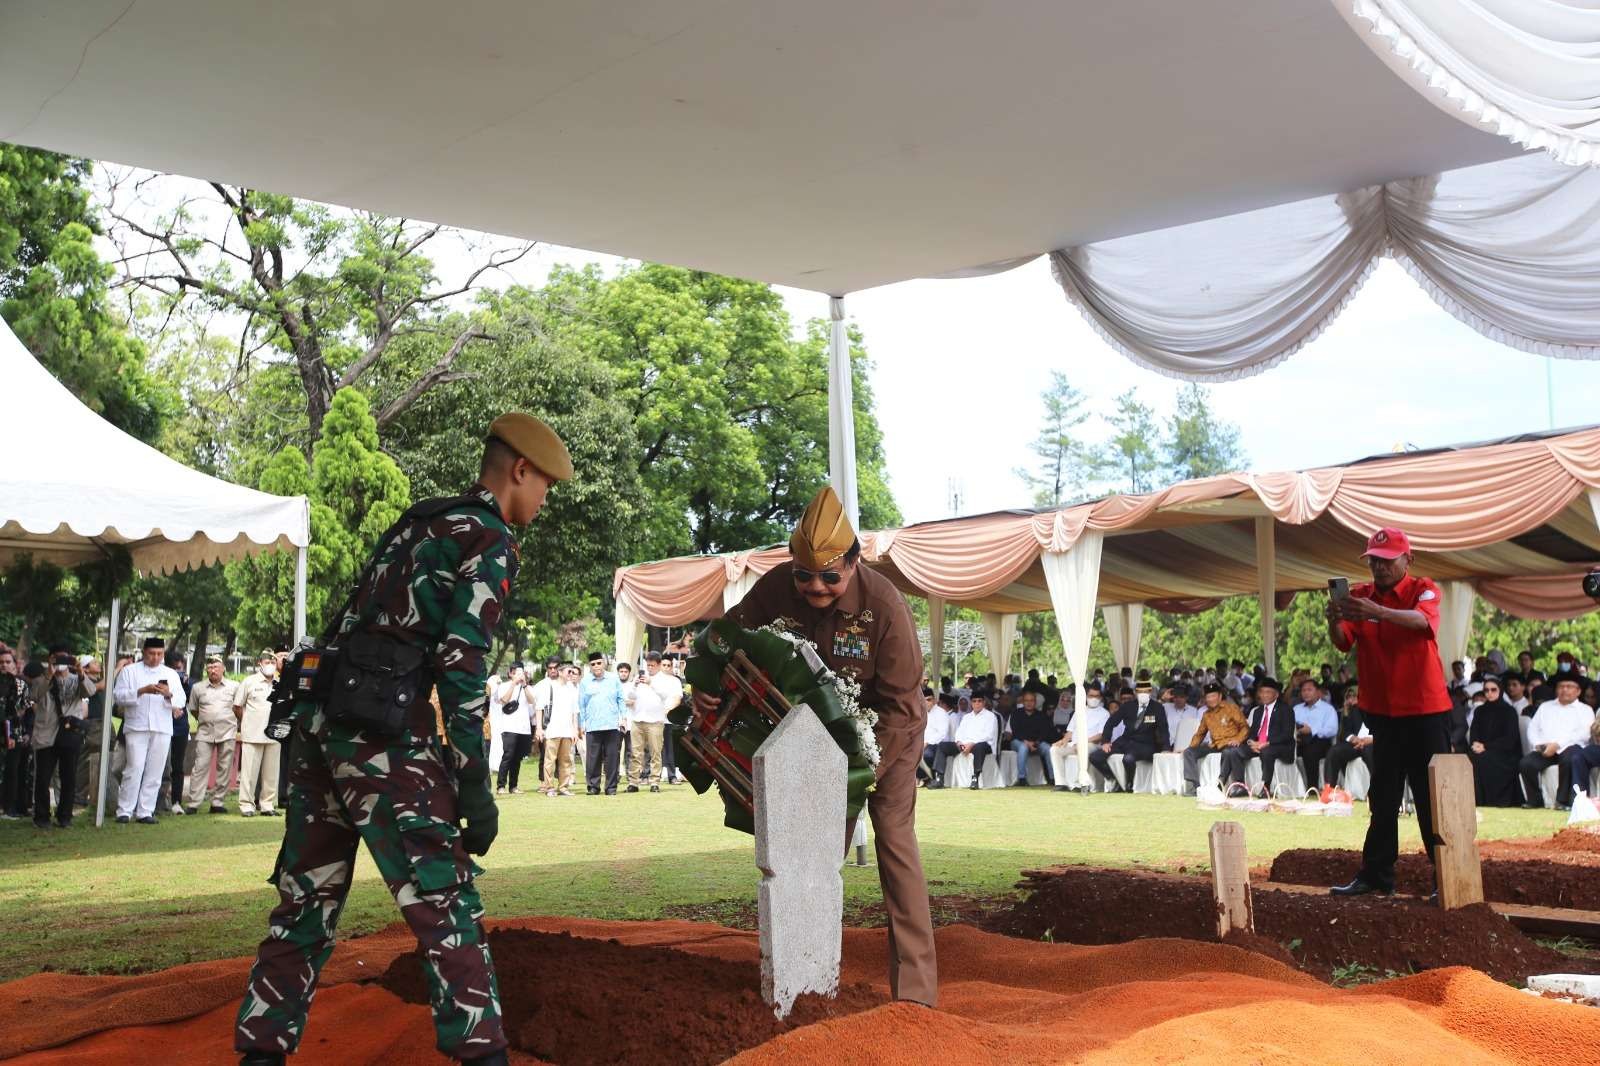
x=1338 y=589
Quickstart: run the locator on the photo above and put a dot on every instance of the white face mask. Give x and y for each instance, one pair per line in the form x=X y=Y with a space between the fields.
x=1092 y=702
x=269 y=669
x=1143 y=698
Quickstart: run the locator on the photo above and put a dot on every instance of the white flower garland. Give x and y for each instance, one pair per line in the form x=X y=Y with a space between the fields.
x=848 y=689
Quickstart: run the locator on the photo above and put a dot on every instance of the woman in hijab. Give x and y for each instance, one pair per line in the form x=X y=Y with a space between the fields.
x=1495 y=747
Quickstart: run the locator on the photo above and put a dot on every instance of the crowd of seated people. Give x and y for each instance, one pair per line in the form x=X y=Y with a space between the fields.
x=1513 y=722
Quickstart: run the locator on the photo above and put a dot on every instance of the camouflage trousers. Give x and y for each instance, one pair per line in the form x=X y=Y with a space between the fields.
x=395 y=796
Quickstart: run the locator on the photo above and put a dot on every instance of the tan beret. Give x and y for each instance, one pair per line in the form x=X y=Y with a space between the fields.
x=535 y=442
x=824 y=533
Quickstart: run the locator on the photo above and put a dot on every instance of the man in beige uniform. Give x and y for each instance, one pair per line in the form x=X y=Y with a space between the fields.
x=211 y=702
x=862 y=627
x=258 y=753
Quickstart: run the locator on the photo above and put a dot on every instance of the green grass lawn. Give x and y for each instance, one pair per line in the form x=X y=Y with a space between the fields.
x=132 y=897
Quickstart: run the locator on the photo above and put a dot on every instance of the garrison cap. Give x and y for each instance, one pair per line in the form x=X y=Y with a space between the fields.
x=535 y=442
x=824 y=535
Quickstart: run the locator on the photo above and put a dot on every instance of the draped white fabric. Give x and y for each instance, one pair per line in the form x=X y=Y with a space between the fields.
x=630 y=633
x=1511 y=248
x=1000 y=637
x=734 y=592
x=1528 y=70
x=934 y=666
x=841 y=413
x=1455 y=621
x=1073 y=578
x=1125 y=626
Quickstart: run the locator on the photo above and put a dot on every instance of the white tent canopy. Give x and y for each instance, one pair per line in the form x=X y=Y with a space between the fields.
x=77 y=483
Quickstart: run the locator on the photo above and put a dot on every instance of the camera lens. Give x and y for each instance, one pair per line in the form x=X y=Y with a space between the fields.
x=1591 y=584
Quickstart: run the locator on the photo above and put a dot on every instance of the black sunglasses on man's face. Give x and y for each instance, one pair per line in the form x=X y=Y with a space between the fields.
x=804 y=577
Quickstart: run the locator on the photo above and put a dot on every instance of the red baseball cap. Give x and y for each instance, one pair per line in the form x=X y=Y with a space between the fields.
x=1388 y=543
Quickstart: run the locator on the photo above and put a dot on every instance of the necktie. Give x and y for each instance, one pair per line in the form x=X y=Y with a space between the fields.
x=1266 y=716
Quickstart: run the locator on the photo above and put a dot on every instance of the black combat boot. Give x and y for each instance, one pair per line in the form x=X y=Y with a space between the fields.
x=496 y=1058
x=261 y=1058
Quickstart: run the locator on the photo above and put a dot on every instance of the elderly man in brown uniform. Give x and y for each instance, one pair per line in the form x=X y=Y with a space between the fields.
x=862 y=627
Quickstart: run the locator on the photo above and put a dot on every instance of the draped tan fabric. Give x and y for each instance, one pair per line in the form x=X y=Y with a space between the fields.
x=1184 y=546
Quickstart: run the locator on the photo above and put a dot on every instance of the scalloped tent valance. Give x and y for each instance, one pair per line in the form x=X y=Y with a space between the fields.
x=76 y=483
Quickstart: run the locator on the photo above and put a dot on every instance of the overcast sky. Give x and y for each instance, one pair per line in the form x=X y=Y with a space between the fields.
x=959 y=366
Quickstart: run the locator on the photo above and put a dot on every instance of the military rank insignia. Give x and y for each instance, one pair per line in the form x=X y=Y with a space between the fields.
x=308 y=671
x=851 y=643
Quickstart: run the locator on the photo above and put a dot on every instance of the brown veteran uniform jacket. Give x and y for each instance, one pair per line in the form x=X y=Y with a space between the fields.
x=1225 y=725
x=868 y=634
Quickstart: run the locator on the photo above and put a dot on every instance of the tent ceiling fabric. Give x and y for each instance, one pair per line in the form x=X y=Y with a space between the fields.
x=1466 y=510
x=832 y=146
x=1527 y=69
x=98 y=486
x=1511 y=248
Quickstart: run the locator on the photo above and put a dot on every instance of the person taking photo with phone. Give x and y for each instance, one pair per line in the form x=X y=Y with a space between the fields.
x=1393 y=624
x=150 y=694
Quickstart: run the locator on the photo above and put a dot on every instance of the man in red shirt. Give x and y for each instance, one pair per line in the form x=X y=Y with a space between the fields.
x=1393 y=623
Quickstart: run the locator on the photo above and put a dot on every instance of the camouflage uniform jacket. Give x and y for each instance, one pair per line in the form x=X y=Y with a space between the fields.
x=439 y=585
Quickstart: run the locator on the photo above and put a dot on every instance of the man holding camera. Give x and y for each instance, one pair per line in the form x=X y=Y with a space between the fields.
x=150 y=695
x=1393 y=624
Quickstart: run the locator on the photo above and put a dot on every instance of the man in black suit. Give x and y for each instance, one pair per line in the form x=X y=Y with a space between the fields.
x=1144 y=733
x=1271 y=736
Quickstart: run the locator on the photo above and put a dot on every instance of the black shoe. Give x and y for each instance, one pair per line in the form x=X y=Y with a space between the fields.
x=655 y=788
x=261 y=1058
x=122 y=819
x=63 y=823
x=937 y=782
x=148 y=819
x=1432 y=897
x=1022 y=784
x=1063 y=788
x=37 y=824
x=974 y=785
x=497 y=1058
x=271 y=814
x=219 y=810
x=633 y=788
x=1531 y=806
x=594 y=792
x=1360 y=887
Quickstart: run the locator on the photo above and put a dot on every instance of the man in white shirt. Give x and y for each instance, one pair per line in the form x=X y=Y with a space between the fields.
x=1180 y=714
x=1556 y=736
x=259 y=754
x=150 y=695
x=1092 y=718
x=561 y=732
x=539 y=706
x=516 y=731
x=667 y=682
x=940 y=728
x=977 y=735
x=648 y=724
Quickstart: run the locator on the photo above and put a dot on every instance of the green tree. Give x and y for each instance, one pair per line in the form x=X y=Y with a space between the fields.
x=1131 y=456
x=334 y=290
x=1063 y=457
x=54 y=295
x=590 y=524
x=728 y=409
x=356 y=493
x=1199 y=443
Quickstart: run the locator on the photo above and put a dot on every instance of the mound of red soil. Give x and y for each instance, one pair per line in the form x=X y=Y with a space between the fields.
x=578 y=1001
x=1538 y=882
x=1083 y=905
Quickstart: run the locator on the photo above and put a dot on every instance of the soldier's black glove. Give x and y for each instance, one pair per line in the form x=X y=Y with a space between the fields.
x=482 y=818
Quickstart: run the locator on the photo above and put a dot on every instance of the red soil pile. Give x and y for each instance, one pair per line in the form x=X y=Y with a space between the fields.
x=1092 y=906
x=1573 y=881
x=582 y=1002
x=1003 y=1002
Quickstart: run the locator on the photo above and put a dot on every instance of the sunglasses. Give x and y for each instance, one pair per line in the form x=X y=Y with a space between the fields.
x=829 y=577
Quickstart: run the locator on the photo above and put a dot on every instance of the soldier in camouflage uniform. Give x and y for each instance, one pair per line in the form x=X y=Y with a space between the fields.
x=438 y=583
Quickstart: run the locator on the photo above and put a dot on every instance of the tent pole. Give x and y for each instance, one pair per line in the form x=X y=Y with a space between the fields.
x=1267 y=567
x=935 y=639
x=299 y=594
x=108 y=675
x=841 y=414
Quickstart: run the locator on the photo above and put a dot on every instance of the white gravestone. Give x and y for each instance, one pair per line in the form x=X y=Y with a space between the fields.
x=799 y=807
